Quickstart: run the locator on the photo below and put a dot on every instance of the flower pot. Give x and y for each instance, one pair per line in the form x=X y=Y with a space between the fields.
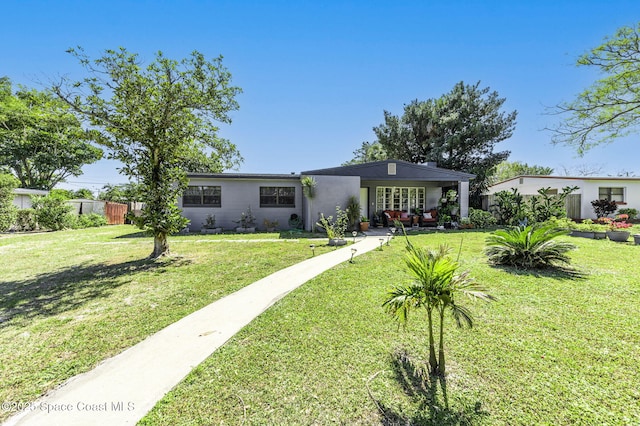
x=364 y=226
x=242 y=230
x=600 y=235
x=337 y=241
x=582 y=234
x=618 y=236
x=210 y=230
x=636 y=239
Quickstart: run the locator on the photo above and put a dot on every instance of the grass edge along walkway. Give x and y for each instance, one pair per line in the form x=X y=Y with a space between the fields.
x=124 y=388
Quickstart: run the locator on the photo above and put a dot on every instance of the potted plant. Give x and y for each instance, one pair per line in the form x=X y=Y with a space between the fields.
x=247 y=222
x=618 y=228
x=364 y=223
x=465 y=223
x=269 y=225
x=377 y=219
x=599 y=230
x=335 y=229
x=209 y=226
x=444 y=220
x=353 y=212
x=583 y=229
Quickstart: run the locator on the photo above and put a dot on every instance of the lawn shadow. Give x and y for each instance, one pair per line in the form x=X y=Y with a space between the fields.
x=56 y=292
x=556 y=273
x=429 y=392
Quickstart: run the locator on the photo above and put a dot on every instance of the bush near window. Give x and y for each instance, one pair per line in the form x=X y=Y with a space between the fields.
x=529 y=247
x=604 y=207
x=632 y=213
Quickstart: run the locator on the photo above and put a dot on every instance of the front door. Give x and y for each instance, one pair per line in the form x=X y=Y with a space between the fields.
x=364 y=202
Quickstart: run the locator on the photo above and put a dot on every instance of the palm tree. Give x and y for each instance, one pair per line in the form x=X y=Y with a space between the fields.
x=309 y=191
x=437 y=287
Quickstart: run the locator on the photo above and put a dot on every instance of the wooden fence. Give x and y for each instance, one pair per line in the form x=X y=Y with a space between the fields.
x=115 y=213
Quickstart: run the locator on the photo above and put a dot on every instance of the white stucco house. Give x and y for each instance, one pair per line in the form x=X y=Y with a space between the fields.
x=625 y=191
x=381 y=185
x=22 y=197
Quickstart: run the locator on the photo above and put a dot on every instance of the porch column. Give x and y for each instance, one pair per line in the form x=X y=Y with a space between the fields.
x=463 y=198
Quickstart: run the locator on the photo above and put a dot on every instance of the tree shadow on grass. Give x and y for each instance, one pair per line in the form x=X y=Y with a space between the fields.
x=556 y=273
x=56 y=292
x=429 y=393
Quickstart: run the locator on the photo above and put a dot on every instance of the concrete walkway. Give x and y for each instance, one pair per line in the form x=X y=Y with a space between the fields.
x=122 y=389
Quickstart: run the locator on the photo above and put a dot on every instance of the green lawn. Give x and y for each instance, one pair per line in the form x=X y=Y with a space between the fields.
x=554 y=349
x=70 y=299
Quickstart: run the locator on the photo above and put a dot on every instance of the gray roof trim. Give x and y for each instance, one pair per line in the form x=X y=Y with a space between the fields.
x=251 y=176
x=405 y=170
x=27 y=191
x=571 y=178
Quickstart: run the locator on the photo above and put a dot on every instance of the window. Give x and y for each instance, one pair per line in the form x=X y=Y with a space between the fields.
x=399 y=198
x=611 y=194
x=277 y=196
x=202 y=196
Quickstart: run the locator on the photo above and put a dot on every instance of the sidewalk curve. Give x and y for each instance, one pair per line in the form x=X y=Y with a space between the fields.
x=123 y=389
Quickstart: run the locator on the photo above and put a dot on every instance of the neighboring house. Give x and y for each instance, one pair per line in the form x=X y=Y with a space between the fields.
x=22 y=197
x=624 y=191
x=381 y=185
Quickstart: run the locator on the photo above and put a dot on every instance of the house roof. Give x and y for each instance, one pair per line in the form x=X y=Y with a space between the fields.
x=384 y=170
x=27 y=191
x=610 y=178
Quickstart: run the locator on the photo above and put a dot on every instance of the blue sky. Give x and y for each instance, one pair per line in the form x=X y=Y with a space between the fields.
x=317 y=76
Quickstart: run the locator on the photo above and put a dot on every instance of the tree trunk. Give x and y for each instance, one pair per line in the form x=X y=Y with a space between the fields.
x=160 y=245
x=433 y=363
x=441 y=364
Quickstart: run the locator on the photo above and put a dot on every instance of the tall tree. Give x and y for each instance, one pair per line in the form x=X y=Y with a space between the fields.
x=154 y=120
x=8 y=212
x=367 y=153
x=610 y=107
x=508 y=169
x=41 y=141
x=458 y=131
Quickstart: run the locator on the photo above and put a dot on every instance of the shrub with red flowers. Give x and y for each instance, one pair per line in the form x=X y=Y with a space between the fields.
x=617 y=224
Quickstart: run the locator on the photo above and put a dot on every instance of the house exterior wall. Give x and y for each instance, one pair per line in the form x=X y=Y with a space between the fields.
x=331 y=191
x=236 y=196
x=588 y=189
x=22 y=197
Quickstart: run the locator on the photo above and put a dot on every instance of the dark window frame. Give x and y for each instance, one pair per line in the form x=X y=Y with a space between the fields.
x=608 y=190
x=203 y=196
x=282 y=199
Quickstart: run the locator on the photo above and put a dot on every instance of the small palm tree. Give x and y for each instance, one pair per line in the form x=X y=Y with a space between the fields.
x=529 y=247
x=437 y=288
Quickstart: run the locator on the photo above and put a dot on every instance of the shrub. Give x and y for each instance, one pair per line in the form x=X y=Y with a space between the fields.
x=334 y=229
x=632 y=213
x=53 y=212
x=604 y=208
x=561 y=223
x=545 y=205
x=528 y=247
x=26 y=220
x=509 y=207
x=91 y=220
x=480 y=218
x=7 y=210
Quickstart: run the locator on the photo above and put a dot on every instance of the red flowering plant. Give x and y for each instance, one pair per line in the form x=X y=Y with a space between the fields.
x=617 y=224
